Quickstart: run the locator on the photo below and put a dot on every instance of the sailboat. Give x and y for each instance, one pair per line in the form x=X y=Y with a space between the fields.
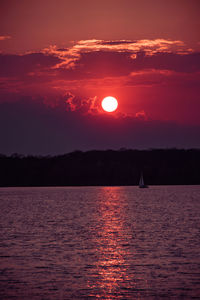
x=141 y=182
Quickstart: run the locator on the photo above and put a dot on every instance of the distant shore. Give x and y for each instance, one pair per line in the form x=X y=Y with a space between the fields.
x=102 y=168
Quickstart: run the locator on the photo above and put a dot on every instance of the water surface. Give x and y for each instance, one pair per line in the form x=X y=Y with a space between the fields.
x=100 y=243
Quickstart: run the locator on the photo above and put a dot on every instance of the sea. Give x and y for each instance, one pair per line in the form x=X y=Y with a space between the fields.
x=100 y=242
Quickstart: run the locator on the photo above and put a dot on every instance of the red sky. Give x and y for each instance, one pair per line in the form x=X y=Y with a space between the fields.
x=58 y=59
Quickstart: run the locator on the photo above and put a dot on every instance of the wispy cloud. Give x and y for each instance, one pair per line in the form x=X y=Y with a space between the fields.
x=149 y=46
x=144 y=73
x=141 y=115
x=4 y=37
x=71 y=55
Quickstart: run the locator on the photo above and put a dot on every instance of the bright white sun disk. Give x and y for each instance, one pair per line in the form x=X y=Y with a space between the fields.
x=109 y=104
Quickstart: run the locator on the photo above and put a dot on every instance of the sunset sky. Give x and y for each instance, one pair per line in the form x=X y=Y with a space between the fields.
x=59 y=59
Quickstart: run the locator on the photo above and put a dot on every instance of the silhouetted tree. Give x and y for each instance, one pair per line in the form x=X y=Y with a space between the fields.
x=123 y=167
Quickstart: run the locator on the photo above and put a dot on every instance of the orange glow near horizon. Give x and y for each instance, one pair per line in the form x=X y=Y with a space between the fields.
x=109 y=104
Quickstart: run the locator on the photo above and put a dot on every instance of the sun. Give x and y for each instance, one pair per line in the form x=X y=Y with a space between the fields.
x=109 y=104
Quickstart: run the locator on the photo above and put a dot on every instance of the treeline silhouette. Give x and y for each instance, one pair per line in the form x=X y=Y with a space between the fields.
x=109 y=167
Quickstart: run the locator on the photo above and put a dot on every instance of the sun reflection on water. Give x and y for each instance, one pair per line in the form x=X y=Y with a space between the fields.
x=112 y=246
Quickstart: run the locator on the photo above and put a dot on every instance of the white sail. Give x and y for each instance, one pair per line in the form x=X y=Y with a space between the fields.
x=141 y=182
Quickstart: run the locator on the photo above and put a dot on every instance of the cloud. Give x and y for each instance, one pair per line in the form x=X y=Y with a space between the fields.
x=149 y=46
x=84 y=105
x=100 y=59
x=141 y=115
x=72 y=55
x=4 y=37
x=107 y=63
x=151 y=76
x=34 y=128
x=22 y=65
x=169 y=61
